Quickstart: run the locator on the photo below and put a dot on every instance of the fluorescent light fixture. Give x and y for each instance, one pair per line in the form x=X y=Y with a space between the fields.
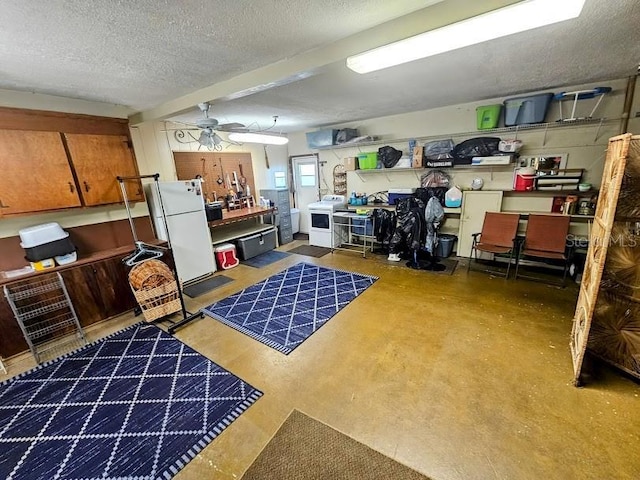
x=250 y=137
x=519 y=17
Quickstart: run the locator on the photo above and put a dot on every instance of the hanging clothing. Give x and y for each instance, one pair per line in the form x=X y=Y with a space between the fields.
x=384 y=225
x=409 y=230
x=433 y=215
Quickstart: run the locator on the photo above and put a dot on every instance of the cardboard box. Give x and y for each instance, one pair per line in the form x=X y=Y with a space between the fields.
x=418 y=154
x=350 y=163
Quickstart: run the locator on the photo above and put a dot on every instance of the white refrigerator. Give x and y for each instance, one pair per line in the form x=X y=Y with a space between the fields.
x=189 y=233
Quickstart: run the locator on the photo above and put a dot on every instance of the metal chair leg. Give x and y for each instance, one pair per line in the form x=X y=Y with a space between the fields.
x=509 y=265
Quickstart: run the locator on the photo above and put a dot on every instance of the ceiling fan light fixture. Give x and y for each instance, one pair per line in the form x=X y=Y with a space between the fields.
x=519 y=17
x=251 y=137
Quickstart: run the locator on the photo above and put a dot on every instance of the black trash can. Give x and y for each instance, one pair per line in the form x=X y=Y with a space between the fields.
x=445 y=245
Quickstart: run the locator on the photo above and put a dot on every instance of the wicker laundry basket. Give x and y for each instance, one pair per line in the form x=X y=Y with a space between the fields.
x=155 y=289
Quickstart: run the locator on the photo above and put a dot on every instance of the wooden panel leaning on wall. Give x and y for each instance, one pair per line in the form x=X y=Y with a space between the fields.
x=217 y=171
x=34 y=148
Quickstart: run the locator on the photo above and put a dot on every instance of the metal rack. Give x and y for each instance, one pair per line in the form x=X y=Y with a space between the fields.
x=45 y=313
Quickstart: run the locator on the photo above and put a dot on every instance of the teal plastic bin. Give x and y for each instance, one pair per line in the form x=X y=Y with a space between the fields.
x=488 y=116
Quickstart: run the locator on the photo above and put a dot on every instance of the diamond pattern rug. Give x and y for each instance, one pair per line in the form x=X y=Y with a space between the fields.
x=136 y=405
x=283 y=310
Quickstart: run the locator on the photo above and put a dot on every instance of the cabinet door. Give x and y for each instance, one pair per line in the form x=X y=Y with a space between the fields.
x=84 y=293
x=36 y=174
x=474 y=206
x=98 y=160
x=11 y=340
x=99 y=290
x=113 y=282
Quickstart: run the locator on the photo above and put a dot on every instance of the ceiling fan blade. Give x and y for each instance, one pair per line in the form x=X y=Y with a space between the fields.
x=231 y=127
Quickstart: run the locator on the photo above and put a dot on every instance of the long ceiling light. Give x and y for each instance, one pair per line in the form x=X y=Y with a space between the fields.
x=250 y=137
x=519 y=17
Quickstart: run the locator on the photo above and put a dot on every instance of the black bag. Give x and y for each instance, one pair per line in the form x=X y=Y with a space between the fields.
x=389 y=156
x=475 y=147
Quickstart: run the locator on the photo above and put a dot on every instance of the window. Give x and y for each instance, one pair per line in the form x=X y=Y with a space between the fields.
x=280 y=180
x=307 y=174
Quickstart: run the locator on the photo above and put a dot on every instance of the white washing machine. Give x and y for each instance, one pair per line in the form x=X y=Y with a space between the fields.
x=321 y=233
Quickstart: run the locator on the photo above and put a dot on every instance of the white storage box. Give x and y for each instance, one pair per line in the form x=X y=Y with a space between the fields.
x=41 y=234
x=45 y=242
x=65 y=259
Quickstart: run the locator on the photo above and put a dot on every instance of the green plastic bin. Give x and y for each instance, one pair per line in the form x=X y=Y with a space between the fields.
x=488 y=116
x=368 y=161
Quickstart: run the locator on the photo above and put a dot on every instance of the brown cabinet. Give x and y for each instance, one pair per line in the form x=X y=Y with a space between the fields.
x=98 y=291
x=214 y=167
x=97 y=161
x=36 y=175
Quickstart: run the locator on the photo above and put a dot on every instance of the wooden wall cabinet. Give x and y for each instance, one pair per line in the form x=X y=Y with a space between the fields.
x=97 y=161
x=54 y=160
x=36 y=175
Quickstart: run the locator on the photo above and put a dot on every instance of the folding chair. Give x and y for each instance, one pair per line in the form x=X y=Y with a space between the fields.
x=546 y=237
x=498 y=236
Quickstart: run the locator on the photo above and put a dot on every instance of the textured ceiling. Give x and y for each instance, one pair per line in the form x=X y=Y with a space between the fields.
x=147 y=54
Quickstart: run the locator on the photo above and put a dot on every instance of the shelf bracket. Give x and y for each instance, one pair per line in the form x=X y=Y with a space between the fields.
x=360 y=177
x=544 y=137
x=598 y=130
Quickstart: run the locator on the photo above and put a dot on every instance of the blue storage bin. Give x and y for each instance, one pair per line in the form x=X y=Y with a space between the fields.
x=358 y=226
x=525 y=110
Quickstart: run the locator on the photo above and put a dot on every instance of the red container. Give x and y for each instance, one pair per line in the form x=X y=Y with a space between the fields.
x=226 y=256
x=523 y=181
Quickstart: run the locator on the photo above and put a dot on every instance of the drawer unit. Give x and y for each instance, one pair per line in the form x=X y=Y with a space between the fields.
x=280 y=198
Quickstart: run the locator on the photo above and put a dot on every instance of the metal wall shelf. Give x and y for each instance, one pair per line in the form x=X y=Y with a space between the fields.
x=597 y=122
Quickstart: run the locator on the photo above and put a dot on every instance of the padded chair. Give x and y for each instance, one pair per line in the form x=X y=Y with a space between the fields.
x=498 y=237
x=546 y=238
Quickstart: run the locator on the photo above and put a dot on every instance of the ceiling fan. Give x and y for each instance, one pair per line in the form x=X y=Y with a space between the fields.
x=208 y=127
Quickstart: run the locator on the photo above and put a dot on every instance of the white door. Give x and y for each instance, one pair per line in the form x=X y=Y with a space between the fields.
x=191 y=244
x=474 y=206
x=306 y=186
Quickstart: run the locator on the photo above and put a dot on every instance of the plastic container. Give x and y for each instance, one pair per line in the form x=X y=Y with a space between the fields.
x=226 y=256
x=453 y=197
x=488 y=116
x=368 y=161
x=362 y=226
x=41 y=234
x=397 y=194
x=524 y=179
x=295 y=220
x=66 y=259
x=254 y=245
x=526 y=110
x=445 y=245
x=50 y=249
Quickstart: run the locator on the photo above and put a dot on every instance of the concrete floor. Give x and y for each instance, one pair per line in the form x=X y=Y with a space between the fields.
x=459 y=377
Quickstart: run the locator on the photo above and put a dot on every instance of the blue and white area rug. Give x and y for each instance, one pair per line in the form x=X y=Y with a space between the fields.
x=136 y=405
x=286 y=308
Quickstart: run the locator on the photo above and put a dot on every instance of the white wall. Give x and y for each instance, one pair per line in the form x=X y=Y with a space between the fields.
x=584 y=145
x=154 y=145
